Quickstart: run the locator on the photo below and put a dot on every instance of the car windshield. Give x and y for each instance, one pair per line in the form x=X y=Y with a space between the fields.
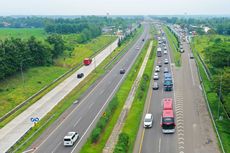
x=148 y=120
x=170 y=126
x=167 y=120
x=67 y=139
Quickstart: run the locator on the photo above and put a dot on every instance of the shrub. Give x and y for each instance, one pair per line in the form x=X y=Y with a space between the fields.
x=122 y=144
x=95 y=134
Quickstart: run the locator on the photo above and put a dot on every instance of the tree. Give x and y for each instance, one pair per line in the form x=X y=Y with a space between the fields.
x=57 y=45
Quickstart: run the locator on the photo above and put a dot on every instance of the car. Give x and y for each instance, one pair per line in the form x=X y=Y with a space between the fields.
x=165 y=48
x=70 y=138
x=155 y=77
x=166 y=70
x=157 y=69
x=191 y=56
x=166 y=61
x=182 y=50
x=165 y=52
x=80 y=75
x=159 y=63
x=122 y=71
x=148 y=120
x=137 y=48
x=155 y=86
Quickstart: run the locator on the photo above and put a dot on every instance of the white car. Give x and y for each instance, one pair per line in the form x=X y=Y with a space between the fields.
x=166 y=61
x=157 y=69
x=70 y=138
x=148 y=121
x=155 y=77
x=166 y=70
x=165 y=52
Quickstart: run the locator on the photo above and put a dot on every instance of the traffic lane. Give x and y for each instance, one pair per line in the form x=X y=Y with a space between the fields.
x=65 y=127
x=148 y=145
x=154 y=139
x=169 y=141
x=77 y=148
x=87 y=118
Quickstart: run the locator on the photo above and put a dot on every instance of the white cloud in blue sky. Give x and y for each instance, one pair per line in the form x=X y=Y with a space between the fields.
x=114 y=7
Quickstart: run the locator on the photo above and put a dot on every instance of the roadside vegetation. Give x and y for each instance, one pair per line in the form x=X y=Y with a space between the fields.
x=174 y=43
x=17 y=88
x=212 y=53
x=57 y=111
x=130 y=129
x=31 y=45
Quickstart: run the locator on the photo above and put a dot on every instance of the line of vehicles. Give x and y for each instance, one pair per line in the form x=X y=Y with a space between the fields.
x=167 y=117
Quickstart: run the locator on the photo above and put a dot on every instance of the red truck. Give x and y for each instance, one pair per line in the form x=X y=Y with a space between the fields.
x=87 y=61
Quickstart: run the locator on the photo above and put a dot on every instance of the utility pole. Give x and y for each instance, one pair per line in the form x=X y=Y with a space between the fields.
x=219 y=96
x=23 y=80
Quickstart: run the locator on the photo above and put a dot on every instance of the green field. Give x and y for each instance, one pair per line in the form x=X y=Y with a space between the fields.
x=23 y=33
x=81 y=51
x=13 y=91
x=203 y=41
x=173 y=41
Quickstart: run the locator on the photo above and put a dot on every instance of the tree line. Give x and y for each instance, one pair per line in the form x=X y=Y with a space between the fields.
x=218 y=56
x=219 y=25
x=17 y=54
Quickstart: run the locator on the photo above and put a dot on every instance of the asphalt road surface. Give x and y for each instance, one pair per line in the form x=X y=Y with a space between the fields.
x=194 y=131
x=84 y=116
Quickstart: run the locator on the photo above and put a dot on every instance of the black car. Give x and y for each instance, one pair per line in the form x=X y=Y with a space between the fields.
x=122 y=71
x=80 y=75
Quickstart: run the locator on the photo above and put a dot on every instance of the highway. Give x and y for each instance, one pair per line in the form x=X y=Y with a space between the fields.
x=83 y=116
x=194 y=131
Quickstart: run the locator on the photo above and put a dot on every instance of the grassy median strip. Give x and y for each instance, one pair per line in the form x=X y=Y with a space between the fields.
x=173 y=43
x=224 y=124
x=92 y=146
x=133 y=119
x=75 y=94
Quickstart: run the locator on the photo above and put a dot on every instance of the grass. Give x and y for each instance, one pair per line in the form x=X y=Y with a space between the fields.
x=121 y=96
x=81 y=51
x=201 y=42
x=24 y=33
x=223 y=125
x=65 y=103
x=130 y=127
x=14 y=91
x=173 y=41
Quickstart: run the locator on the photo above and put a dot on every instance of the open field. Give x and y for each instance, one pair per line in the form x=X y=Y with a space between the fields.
x=81 y=51
x=23 y=33
x=14 y=91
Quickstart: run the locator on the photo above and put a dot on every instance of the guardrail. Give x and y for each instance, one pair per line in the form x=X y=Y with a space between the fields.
x=12 y=150
x=47 y=86
x=207 y=104
x=209 y=109
x=208 y=73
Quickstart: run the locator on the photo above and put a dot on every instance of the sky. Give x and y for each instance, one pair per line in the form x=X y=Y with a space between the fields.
x=114 y=7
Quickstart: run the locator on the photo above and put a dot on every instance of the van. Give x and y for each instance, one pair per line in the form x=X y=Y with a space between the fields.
x=148 y=121
x=70 y=138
